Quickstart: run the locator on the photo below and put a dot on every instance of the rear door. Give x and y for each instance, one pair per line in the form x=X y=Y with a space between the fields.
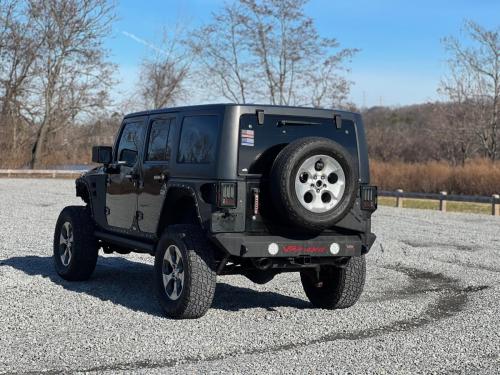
x=122 y=186
x=259 y=144
x=156 y=171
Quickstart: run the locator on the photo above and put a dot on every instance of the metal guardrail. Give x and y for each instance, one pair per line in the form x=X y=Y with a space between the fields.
x=39 y=173
x=444 y=197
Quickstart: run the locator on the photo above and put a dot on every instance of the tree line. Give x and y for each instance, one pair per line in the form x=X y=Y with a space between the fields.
x=56 y=80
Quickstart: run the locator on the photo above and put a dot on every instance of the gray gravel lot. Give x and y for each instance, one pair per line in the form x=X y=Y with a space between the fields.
x=430 y=304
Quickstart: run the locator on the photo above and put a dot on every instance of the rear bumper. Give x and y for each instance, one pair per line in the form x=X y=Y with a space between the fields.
x=258 y=245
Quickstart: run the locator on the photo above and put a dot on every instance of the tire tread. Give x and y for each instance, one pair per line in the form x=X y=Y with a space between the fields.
x=281 y=170
x=342 y=287
x=85 y=250
x=201 y=289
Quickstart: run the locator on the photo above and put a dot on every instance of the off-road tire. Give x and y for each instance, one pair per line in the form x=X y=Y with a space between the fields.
x=85 y=247
x=338 y=288
x=282 y=183
x=199 y=272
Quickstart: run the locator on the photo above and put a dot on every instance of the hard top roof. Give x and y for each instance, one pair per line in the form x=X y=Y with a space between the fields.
x=219 y=106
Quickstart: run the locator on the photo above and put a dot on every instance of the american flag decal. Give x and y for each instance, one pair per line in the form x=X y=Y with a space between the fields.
x=247 y=137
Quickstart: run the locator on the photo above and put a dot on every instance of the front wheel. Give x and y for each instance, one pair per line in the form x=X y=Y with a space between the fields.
x=337 y=288
x=185 y=274
x=75 y=246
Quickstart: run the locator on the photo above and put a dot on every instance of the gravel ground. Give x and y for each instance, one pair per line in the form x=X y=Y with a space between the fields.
x=430 y=305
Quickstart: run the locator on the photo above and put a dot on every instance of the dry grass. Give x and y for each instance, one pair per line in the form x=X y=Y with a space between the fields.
x=466 y=207
x=477 y=177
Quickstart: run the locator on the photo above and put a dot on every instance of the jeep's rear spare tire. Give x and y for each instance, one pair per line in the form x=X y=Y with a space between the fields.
x=314 y=183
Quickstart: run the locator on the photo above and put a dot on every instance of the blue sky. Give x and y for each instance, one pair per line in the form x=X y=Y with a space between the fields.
x=401 y=59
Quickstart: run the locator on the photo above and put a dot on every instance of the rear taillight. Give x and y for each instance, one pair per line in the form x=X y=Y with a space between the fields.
x=226 y=196
x=368 y=197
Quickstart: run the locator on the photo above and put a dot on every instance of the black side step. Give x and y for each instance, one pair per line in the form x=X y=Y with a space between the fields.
x=134 y=245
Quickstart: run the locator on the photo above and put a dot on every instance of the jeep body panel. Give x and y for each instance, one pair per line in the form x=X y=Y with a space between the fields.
x=134 y=203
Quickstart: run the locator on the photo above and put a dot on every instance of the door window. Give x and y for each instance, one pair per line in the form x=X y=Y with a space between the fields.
x=158 y=146
x=130 y=142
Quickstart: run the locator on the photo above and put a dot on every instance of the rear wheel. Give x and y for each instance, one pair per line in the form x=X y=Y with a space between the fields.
x=75 y=247
x=185 y=274
x=337 y=288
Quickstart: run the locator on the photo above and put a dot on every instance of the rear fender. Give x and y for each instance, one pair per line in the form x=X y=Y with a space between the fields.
x=181 y=206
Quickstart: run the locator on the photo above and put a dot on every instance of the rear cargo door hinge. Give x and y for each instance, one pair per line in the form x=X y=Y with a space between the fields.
x=139 y=215
x=107 y=211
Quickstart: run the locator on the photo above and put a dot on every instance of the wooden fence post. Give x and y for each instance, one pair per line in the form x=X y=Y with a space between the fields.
x=399 y=198
x=442 y=201
x=495 y=205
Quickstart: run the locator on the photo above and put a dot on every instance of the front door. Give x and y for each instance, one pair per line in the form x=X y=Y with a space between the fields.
x=122 y=187
x=155 y=172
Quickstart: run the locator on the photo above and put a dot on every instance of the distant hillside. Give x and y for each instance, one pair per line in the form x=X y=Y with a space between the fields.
x=420 y=133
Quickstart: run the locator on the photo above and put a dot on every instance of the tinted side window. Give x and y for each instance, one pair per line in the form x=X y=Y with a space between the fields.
x=198 y=142
x=130 y=142
x=158 y=149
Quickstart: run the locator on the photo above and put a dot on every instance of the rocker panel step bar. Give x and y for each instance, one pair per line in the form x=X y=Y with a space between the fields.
x=138 y=246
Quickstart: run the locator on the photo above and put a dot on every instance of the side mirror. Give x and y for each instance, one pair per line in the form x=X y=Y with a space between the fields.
x=102 y=154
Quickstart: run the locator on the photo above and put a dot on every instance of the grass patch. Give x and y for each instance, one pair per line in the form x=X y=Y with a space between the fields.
x=476 y=177
x=466 y=207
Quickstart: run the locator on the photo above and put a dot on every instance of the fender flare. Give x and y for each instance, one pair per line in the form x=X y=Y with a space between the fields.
x=83 y=191
x=186 y=191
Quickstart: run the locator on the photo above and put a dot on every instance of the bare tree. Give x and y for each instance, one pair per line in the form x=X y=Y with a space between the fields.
x=458 y=126
x=271 y=51
x=474 y=83
x=18 y=51
x=220 y=47
x=163 y=76
x=326 y=86
x=72 y=72
x=299 y=66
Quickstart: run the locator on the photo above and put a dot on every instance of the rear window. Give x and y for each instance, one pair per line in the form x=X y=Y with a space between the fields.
x=198 y=141
x=259 y=144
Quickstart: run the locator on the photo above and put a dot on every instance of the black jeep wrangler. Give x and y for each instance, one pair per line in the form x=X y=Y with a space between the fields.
x=228 y=189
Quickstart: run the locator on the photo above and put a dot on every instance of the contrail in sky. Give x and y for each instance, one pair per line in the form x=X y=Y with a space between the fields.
x=143 y=42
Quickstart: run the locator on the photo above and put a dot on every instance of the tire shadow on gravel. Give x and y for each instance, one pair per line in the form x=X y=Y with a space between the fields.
x=130 y=284
x=451 y=299
x=233 y=298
